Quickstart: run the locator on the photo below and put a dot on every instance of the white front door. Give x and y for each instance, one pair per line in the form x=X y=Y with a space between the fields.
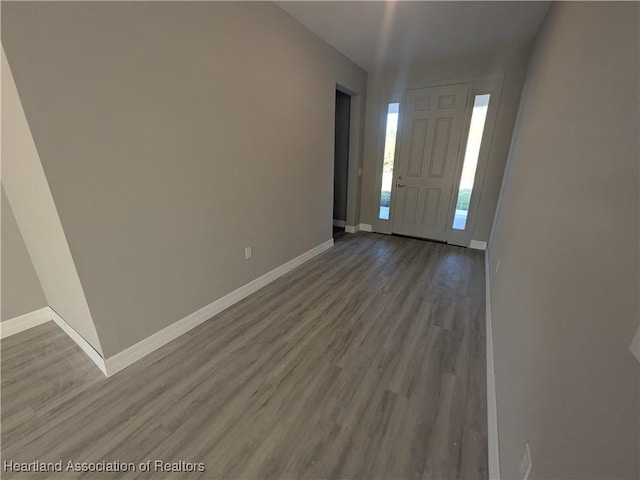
x=431 y=133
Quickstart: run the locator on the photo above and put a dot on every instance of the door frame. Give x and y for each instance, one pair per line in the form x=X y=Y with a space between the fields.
x=354 y=169
x=479 y=85
x=339 y=222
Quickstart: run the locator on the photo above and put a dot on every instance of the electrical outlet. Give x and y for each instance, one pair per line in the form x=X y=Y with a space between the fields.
x=525 y=463
x=497 y=265
x=248 y=253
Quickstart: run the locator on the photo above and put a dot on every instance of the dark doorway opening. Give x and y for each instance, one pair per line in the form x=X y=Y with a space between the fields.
x=341 y=163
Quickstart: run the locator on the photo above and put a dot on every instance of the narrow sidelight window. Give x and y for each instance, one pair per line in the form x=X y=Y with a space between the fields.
x=478 y=117
x=389 y=156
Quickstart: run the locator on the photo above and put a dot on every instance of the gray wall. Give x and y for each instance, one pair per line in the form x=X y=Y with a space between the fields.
x=21 y=291
x=173 y=135
x=565 y=298
x=341 y=156
x=510 y=63
x=35 y=211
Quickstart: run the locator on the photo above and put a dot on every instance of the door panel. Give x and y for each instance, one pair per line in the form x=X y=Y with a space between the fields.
x=410 y=205
x=429 y=148
x=416 y=154
x=431 y=207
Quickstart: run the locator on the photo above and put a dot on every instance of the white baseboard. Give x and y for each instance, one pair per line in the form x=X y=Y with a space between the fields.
x=141 y=349
x=44 y=315
x=144 y=347
x=492 y=405
x=81 y=342
x=24 y=322
x=478 y=245
x=339 y=223
x=365 y=227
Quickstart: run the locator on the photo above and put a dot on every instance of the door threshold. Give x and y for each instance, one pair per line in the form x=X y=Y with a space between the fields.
x=419 y=238
x=432 y=240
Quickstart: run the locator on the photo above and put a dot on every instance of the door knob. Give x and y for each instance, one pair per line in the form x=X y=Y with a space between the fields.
x=400 y=185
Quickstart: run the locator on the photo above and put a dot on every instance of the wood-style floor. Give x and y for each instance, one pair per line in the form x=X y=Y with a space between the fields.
x=366 y=362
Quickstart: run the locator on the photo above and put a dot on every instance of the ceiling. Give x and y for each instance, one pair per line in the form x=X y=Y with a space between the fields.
x=385 y=34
